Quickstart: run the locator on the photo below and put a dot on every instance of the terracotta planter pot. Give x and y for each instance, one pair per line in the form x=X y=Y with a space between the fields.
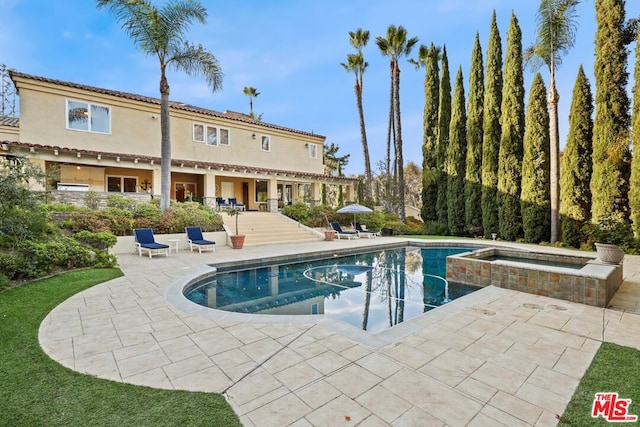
x=237 y=241
x=610 y=254
x=329 y=235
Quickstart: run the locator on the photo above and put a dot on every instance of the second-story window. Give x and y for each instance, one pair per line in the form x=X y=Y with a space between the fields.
x=210 y=135
x=224 y=137
x=88 y=117
x=313 y=151
x=266 y=143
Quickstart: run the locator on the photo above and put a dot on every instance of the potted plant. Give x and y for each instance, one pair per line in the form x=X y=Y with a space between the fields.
x=610 y=237
x=237 y=240
x=329 y=232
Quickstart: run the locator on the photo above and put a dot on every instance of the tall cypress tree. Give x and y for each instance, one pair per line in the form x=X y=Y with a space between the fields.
x=444 y=120
x=473 y=175
x=575 y=173
x=430 y=143
x=510 y=156
x=535 y=199
x=455 y=161
x=611 y=155
x=634 y=193
x=491 y=130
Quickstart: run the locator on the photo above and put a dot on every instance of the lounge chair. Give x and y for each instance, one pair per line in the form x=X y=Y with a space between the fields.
x=364 y=232
x=221 y=204
x=341 y=234
x=146 y=241
x=234 y=203
x=195 y=239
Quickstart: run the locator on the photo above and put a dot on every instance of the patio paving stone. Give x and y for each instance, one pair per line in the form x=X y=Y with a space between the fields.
x=383 y=403
x=353 y=380
x=512 y=405
x=339 y=411
x=318 y=393
x=280 y=412
x=495 y=357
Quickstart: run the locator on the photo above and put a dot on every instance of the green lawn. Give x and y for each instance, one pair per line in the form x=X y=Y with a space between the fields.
x=613 y=369
x=36 y=391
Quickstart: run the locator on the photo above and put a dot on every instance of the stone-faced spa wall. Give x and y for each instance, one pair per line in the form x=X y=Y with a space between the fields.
x=593 y=284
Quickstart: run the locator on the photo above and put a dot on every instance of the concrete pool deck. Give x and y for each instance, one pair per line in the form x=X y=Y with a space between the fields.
x=495 y=357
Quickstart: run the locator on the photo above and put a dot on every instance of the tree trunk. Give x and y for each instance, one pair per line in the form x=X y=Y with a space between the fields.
x=165 y=149
x=388 y=159
x=553 y=158
x=398 y=143
x=365 y=147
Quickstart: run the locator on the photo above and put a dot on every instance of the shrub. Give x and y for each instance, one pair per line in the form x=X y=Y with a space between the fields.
x=77 y=255
x=4 y=282
x=101 y=241
x=320 y=216
x=92 y=199
x=120 y=202
x=397 y=226
x=60 y=207
x=414 y=226
x=298 y=211
x=572 y=232
x=147 y=215
x=19 y=224
x=609 y=230
x=8 y=265
x=86 y=219
x=120 y=220
x=105 y=260
x=435 y=228
x=40 y=258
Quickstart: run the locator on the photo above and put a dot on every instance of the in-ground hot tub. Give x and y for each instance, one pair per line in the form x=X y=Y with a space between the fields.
x=572 y=277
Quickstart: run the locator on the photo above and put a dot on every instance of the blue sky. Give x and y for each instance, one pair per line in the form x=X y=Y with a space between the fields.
x=290 y=50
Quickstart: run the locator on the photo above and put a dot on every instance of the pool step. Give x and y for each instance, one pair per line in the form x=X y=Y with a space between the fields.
x=269 y=227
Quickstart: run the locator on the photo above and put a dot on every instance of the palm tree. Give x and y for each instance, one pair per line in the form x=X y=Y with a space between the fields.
x=396 y=45
x=161 y=32
x=357 y=65
x=251 y=92
x=556 y=33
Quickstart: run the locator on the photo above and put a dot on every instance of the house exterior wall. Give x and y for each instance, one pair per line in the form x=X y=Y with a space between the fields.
x=125 y=157
x=135 y=130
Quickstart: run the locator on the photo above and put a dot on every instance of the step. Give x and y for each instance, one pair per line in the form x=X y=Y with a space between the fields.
x=269 y=227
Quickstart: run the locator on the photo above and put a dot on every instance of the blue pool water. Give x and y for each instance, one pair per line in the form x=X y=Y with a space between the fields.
x=372 y=291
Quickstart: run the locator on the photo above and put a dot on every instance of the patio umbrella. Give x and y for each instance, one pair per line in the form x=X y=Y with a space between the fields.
x=354 y=208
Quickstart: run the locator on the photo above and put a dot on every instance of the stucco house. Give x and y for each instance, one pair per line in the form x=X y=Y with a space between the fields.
x=109 y=141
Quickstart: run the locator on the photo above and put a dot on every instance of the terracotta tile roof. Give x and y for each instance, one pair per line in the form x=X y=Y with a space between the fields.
x=9 y=121
x=182 y=163
x=230 y=115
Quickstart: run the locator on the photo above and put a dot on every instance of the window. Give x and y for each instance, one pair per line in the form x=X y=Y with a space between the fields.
x=313 y=151
x=198 y=132
x=266 y=143
x=261 y=191
x=210 y=135
x=224 y=136
x=88 y=117
x=122 y=184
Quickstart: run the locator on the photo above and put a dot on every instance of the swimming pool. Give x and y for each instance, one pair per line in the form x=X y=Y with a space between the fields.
x=372 y=291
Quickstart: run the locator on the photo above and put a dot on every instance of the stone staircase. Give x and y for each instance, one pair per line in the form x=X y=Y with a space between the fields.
x=268 y=227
